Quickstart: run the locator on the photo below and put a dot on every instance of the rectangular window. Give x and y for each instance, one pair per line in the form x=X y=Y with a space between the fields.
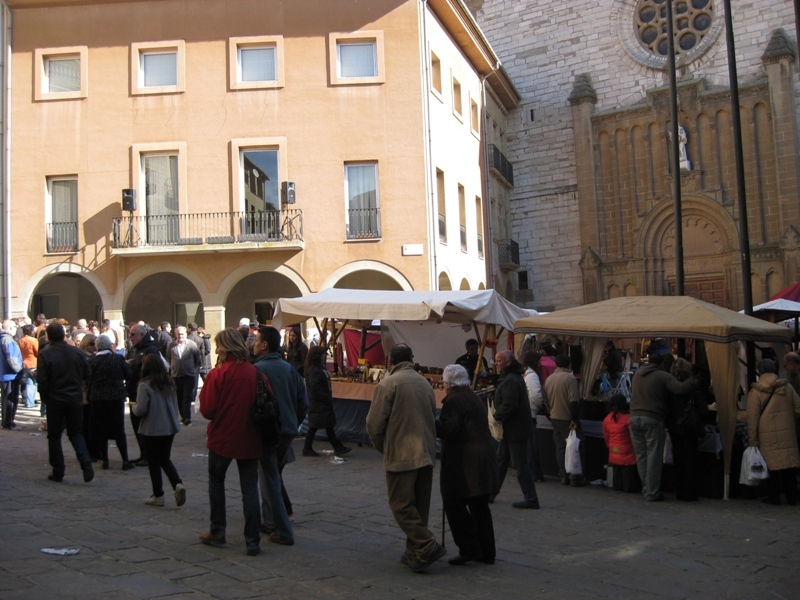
x=261 y=201
x=255 y=62
x=363 y=208
x=462 y=217
x=522 y=279
x=162 y=207
x=61 y=73
x=474 y=116
x=356 y=58
x=436 y=73
x=458 y=108
x=158 y=67
x=479 y=224
x=440 y=196
x=62 y=224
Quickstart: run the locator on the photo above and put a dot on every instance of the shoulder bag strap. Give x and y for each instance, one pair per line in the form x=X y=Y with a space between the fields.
x=763 y=408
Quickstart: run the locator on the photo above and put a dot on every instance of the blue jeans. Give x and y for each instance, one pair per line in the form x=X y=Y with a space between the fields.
x=69 y=415
x=647 y=436
x=273 y=508
x=30 y=389
x=248 y=481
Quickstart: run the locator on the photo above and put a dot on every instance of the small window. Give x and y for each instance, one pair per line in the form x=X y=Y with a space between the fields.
x=522 y=279
x=436 y=73
x=158 y=68
x=62 y=214
x=356 y=58
x=458 y=108
x=440 y=194
x=60 y=73
x=474 y=116
x=462 y=217
x=362 y=214
x=255 y=62
x=479 y=224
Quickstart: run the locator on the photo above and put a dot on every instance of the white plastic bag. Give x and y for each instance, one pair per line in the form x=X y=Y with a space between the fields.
x=495 y=426
x=572 y=458
x=754 y=467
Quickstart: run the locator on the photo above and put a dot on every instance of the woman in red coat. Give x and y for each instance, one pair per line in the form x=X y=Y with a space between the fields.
x=616 y=431
x=226 y=400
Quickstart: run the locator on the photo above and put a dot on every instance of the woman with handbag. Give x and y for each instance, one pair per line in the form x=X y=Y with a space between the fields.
x=157 y=405
x=771 y=408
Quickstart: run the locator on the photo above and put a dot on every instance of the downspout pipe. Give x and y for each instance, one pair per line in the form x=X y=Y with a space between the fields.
x=488 y=232
x=5 y=194
x=433 y=239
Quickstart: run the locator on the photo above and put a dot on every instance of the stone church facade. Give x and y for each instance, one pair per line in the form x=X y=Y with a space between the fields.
x=593 y=206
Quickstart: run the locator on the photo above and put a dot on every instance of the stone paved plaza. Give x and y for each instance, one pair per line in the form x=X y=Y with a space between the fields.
x=583 y=543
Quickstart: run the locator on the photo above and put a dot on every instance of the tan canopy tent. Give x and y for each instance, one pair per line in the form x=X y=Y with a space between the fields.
x=666 y=316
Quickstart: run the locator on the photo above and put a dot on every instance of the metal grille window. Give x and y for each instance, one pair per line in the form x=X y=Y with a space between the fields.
x=62 y=228
x=363 y=208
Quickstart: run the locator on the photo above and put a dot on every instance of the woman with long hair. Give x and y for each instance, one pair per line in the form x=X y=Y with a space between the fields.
x=320 y=402
x=157 y=405
x=296 y=350
x=226 y=400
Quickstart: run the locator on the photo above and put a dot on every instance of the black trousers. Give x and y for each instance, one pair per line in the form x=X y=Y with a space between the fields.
x=185 y=388
x=10 y=393
x=157 y=449
x=329 y=431
x=784 y=480
x=59 y=416
x=687 y=473
x=471 y=524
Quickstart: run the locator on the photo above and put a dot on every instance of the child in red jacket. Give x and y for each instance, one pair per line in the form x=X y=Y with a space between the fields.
x=616 y=431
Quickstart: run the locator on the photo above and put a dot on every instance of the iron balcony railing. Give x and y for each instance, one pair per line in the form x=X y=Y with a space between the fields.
x=138 y=231
x=62 y=237
x=501 y=164
x=508 y=253
x=363 y=223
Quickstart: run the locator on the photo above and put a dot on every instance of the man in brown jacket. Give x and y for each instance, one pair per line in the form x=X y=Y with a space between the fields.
x=401 y=424
x=563 y=399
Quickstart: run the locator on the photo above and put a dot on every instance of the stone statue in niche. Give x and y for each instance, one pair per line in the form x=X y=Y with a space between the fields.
x=685 y=164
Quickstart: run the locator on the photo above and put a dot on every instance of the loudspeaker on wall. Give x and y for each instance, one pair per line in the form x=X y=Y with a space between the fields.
x=129 y=199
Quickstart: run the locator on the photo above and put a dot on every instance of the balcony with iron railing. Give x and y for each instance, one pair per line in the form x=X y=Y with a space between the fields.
x=208 y=232
x=62 y=237
x=363 y=223
x=508 y=255
x=500 y=166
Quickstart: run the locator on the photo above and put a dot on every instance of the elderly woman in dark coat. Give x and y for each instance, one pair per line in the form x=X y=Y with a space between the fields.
x=320 y=402
x=469 y=468
x=106 y=394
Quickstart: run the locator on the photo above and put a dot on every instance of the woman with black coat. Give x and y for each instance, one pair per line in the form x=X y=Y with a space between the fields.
x=685 y=435
x=469 y=468
x=320 y=402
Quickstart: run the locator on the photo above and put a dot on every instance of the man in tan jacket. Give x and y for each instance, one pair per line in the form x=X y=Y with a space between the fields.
x=563 y=399
x=401 y=424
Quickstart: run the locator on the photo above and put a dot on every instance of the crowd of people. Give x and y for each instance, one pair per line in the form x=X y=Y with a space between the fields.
x=84 y=374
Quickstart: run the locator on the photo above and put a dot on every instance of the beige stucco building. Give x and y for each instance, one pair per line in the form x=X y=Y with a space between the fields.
x=197 y=159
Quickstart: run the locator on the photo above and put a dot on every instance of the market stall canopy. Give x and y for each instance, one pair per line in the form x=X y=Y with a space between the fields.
x=364 y=306
x=790 y=293
x=667 y=316
x=655 y=316
x=777 y=310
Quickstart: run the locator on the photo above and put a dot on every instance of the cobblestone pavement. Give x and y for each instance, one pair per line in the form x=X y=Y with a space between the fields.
x=584 y=543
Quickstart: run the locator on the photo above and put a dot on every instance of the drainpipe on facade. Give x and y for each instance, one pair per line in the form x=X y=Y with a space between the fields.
x=433 y=241
x=488 y=240
x=5 y=160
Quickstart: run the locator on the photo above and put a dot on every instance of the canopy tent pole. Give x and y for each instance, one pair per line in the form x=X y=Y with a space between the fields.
x=480 y=350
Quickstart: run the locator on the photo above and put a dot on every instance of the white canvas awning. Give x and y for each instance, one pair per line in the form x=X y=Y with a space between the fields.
x=364 y=306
